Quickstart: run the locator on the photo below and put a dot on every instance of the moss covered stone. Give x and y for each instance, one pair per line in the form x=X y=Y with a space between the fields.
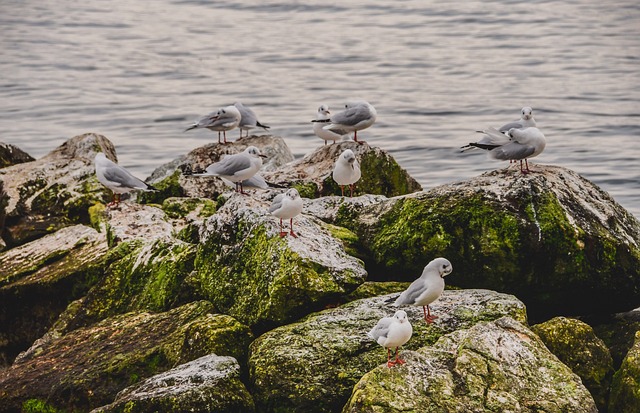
x=12 y=155
x=576 y=345
x=166 y=188
x=625 y=389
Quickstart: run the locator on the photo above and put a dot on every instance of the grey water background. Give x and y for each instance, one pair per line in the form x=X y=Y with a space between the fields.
x=141 y=72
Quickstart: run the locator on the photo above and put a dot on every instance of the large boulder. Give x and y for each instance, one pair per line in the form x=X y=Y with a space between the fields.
x=551 y=237
x=497 y=366
x=625 y=389
x=576 y=345
x=312 y=365
x=54 y=191
x=87 y=367
x=248 y=271
x=617 y=331
x=39 y=279
x=208 y=384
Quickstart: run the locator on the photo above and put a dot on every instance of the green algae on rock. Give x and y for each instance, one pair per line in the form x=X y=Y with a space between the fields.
x=87 y=367
x=625 y=389
x=577 y=346
x=312 y=365
x=492 y=366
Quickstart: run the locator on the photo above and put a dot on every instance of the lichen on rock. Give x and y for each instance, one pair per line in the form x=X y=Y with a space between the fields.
x=625 y=389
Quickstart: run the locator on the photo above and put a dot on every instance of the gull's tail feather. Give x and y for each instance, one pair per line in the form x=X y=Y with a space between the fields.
x=262 y=126
x=191 y=127
x=321 y=120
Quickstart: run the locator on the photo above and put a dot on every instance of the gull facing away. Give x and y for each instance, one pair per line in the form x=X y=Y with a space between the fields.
x=287 y=206
x=248 y=119
x=318 y=127
x=357 y=115
x=346 y=170
x=516 y=145
x=117 y=179
x=223 y=120
x=428 y=288
x=392 y=332
x=238 y=167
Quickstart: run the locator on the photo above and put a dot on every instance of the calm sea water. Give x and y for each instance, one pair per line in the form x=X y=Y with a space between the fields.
x=140 y=72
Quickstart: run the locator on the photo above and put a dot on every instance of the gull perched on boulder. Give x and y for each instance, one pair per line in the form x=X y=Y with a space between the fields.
x=223 y=120
x=319 y=127
x=238 y=167
x=392 y=332
x=357 y=115
x=427 y=288
x=287 y=206
x=346 y=170
x=117 y=179
x=248 y=119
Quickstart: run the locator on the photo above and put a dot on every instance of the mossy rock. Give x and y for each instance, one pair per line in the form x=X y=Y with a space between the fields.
x=375 y=288
x=625 y=389
x=87 y=367
x=576 y=345
x=12 y=155
x=168 y=187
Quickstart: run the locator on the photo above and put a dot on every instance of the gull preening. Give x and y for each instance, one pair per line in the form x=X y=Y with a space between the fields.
x=428 y=288
x=346 y=170
x=357 y=115
x=238 y=167
x=526 y=121
x=287 y=205
x=248 y=119
x=223 y=120
x=117 y=179
x=319 y=127
x=392 y=332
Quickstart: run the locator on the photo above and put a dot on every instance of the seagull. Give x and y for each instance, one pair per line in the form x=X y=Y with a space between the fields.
x=117 y=179
x=346 y=170
x=222 y=120
x=318 y=127
x=392 y=332
x=427 y=288
x=238 y=167
x=287 y=206
x=357 y=115
x=516 y=144
x=248 y=119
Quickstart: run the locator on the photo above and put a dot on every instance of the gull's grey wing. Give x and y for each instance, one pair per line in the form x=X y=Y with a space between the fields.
x=351 y=116
x=336 y=129
x=411 y=294
x=230 y=165
x=248 y=116
x=277 y=203
x=123 y=178
x=256 y=181
x=513 y=150
x=381 y=329
x=511 y=125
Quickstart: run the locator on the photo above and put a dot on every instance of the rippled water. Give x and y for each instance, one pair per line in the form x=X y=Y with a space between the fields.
x=140 y=72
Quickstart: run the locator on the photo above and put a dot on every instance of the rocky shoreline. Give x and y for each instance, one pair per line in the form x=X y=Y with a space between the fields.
x=186 y=298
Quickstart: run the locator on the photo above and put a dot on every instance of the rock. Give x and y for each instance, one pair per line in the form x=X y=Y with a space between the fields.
x=4 y=201
x=311 y=175
x=87 y=367
x=552 y=238
x=496 y=366
x=39 y=279
x=54 y=191
x=625 y=389
x=12 y=155
x=208 y=384
x=341 y=210
x=248 y=271
x=617 y=331
x=576 y=345
x=373 y=288
x=312 y=365
x=175 y=178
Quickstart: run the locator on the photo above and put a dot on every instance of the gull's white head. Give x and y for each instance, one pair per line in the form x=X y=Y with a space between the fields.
x=440 y=266
x=254 y=152
x=348 y=156
x=292 y=193
x=527 y=113
x=323 y=110
x=401 y=316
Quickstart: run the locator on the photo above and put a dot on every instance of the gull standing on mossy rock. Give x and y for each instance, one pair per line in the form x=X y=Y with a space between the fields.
x=248 y=119
x=392 y=332
x=319 y=127
x=346 y=170
x=117 y=179
x=238 y=167
x=223 y=120
x=357 y=115
x=287 y=206
x=427 y=288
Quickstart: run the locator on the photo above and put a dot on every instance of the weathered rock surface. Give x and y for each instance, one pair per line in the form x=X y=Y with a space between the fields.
x=208 y=384
x=577 y=346
x=311 y=175
x=552 y=238
x=39 y=279
x=498 y=366
x=87 y=367
x=54 y=191
x=312 y=365
x=12 y=155
x=617 y=331
x=248 y=271
x=625 y=389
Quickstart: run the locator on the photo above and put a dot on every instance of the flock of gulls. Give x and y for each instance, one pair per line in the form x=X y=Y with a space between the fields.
x=514 y=141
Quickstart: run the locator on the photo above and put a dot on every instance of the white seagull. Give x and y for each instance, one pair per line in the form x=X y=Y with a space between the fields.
x=287 y=206
x=248 y=119
x=357 y=115
x=427 y=288
x=238 y=167
x=117 y=179
x=223 y=120
x=392 y=332
x=346 y=170
x=318 y=127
